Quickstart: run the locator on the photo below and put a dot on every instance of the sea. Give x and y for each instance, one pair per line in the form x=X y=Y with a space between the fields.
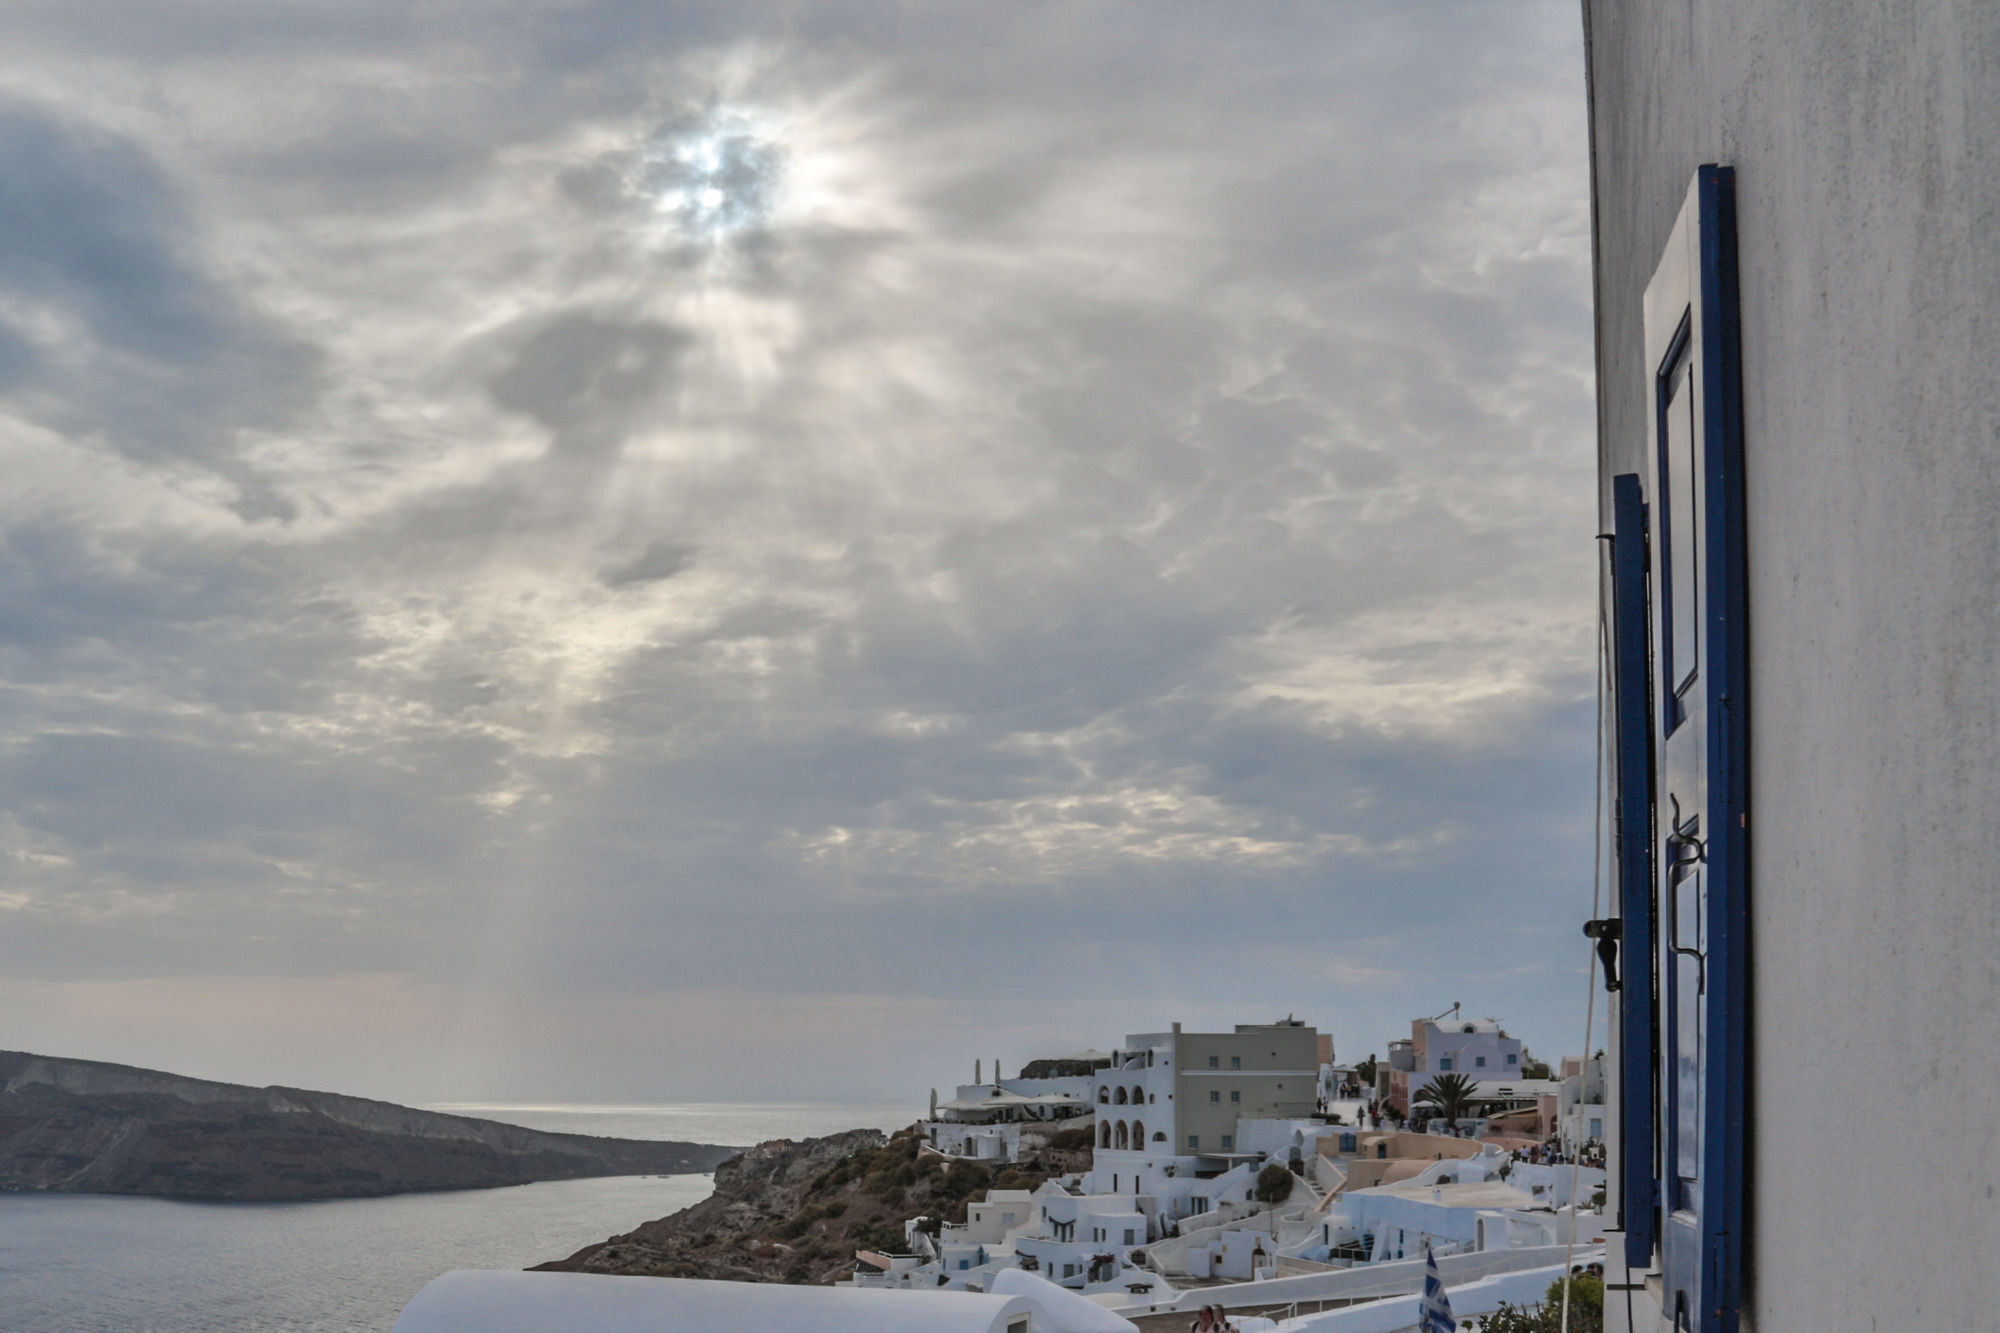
x=95 y=1263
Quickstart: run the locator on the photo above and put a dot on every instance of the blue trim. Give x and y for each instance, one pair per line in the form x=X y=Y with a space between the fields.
x=1632 y=720
x=1728 y=744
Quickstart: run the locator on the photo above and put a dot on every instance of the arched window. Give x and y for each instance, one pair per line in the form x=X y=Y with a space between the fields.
x=1124 y=1140
x=1104 y=1135
x=1138 y=1096
x=1120 y=1097
x=1104 y=1095
x=1139 y=1135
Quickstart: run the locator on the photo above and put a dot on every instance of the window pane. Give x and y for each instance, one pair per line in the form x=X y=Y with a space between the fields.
x=1684 y=535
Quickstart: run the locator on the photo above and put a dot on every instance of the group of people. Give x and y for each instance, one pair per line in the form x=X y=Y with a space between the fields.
x=1552 y=1154
x=1212 y=1320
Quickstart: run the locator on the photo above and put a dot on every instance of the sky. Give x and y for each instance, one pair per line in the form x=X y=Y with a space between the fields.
x=622 y=551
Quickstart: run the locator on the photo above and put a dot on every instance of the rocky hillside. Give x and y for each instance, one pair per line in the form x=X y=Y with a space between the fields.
x=797 y=1212
x=84 y=1127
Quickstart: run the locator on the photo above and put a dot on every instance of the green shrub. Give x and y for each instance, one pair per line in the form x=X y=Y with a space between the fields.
x=1586 y=1311
x=1274 y=1184
x=884 y=1236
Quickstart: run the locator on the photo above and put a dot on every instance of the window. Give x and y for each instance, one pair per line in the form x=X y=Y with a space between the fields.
x=1194 y=1143
x=1215 y=1098
x=1679 y=671
x=1445 y=1064
x=1128 y=1236
x=1006 y=1219
x=1236 y=1062
x=1235 y=1096
x=1215 y=1062
x=1228 y=1142
x=1479 y=1061
x=1513 y=1059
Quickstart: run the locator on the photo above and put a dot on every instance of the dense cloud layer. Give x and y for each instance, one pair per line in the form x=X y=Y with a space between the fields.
x=670 y=553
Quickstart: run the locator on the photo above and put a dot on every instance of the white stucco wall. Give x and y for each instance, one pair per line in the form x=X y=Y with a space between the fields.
x=470 y=1301
x=1864 y=140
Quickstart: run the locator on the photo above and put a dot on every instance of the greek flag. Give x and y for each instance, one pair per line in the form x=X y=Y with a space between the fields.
x=1436 y=1314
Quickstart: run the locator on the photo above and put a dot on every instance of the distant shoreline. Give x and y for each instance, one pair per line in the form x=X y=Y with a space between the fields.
x=87 y=1127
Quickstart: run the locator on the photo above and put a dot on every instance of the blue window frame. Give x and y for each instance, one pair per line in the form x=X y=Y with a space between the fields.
x=1682 y=836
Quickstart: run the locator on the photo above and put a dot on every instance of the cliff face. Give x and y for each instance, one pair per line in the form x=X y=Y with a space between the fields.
x=734 y=1233
x=83 y=1127
x=797 y=1212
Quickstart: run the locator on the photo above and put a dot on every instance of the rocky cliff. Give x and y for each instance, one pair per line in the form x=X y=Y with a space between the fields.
x=84 y=1127
x=798 y=1212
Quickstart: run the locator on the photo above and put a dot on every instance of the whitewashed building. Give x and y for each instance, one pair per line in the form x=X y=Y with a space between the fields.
x=1797 y=294
x=1479 y=1049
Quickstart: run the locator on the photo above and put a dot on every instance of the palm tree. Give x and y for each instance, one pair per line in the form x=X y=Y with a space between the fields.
x=1449 y=1095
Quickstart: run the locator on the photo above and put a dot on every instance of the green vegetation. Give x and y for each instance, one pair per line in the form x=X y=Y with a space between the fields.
x=1448 y=1095
x=884 y=1236
x=1586 y=1310
x=1274 y=1184
x=1062 y=1068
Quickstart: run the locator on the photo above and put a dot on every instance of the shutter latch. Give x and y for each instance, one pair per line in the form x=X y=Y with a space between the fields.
x=1607 y=931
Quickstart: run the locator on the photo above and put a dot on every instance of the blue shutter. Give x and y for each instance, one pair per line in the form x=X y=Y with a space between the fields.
x=1728 y=745
x=1699 y=663
x=1639 y=1180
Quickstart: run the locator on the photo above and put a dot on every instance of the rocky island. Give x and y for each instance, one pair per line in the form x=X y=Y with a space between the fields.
x=80 y=1126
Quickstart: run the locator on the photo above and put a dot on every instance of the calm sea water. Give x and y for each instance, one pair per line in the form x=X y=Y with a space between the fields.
x=79 y=1263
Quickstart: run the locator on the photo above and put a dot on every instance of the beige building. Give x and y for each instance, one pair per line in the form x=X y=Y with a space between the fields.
x=1258 y=1072
x=1182 y=1093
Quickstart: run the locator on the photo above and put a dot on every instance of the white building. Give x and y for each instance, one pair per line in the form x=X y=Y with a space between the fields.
x=1581 y=1115
x=1796 y=290
x=1479 y=1049
x=1184 y=1092
x=1007 y=1119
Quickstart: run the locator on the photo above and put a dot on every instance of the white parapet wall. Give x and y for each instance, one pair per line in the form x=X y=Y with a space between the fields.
x=473 y=1301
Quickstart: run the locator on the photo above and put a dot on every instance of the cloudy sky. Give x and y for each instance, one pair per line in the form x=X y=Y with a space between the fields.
x=636 y=552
